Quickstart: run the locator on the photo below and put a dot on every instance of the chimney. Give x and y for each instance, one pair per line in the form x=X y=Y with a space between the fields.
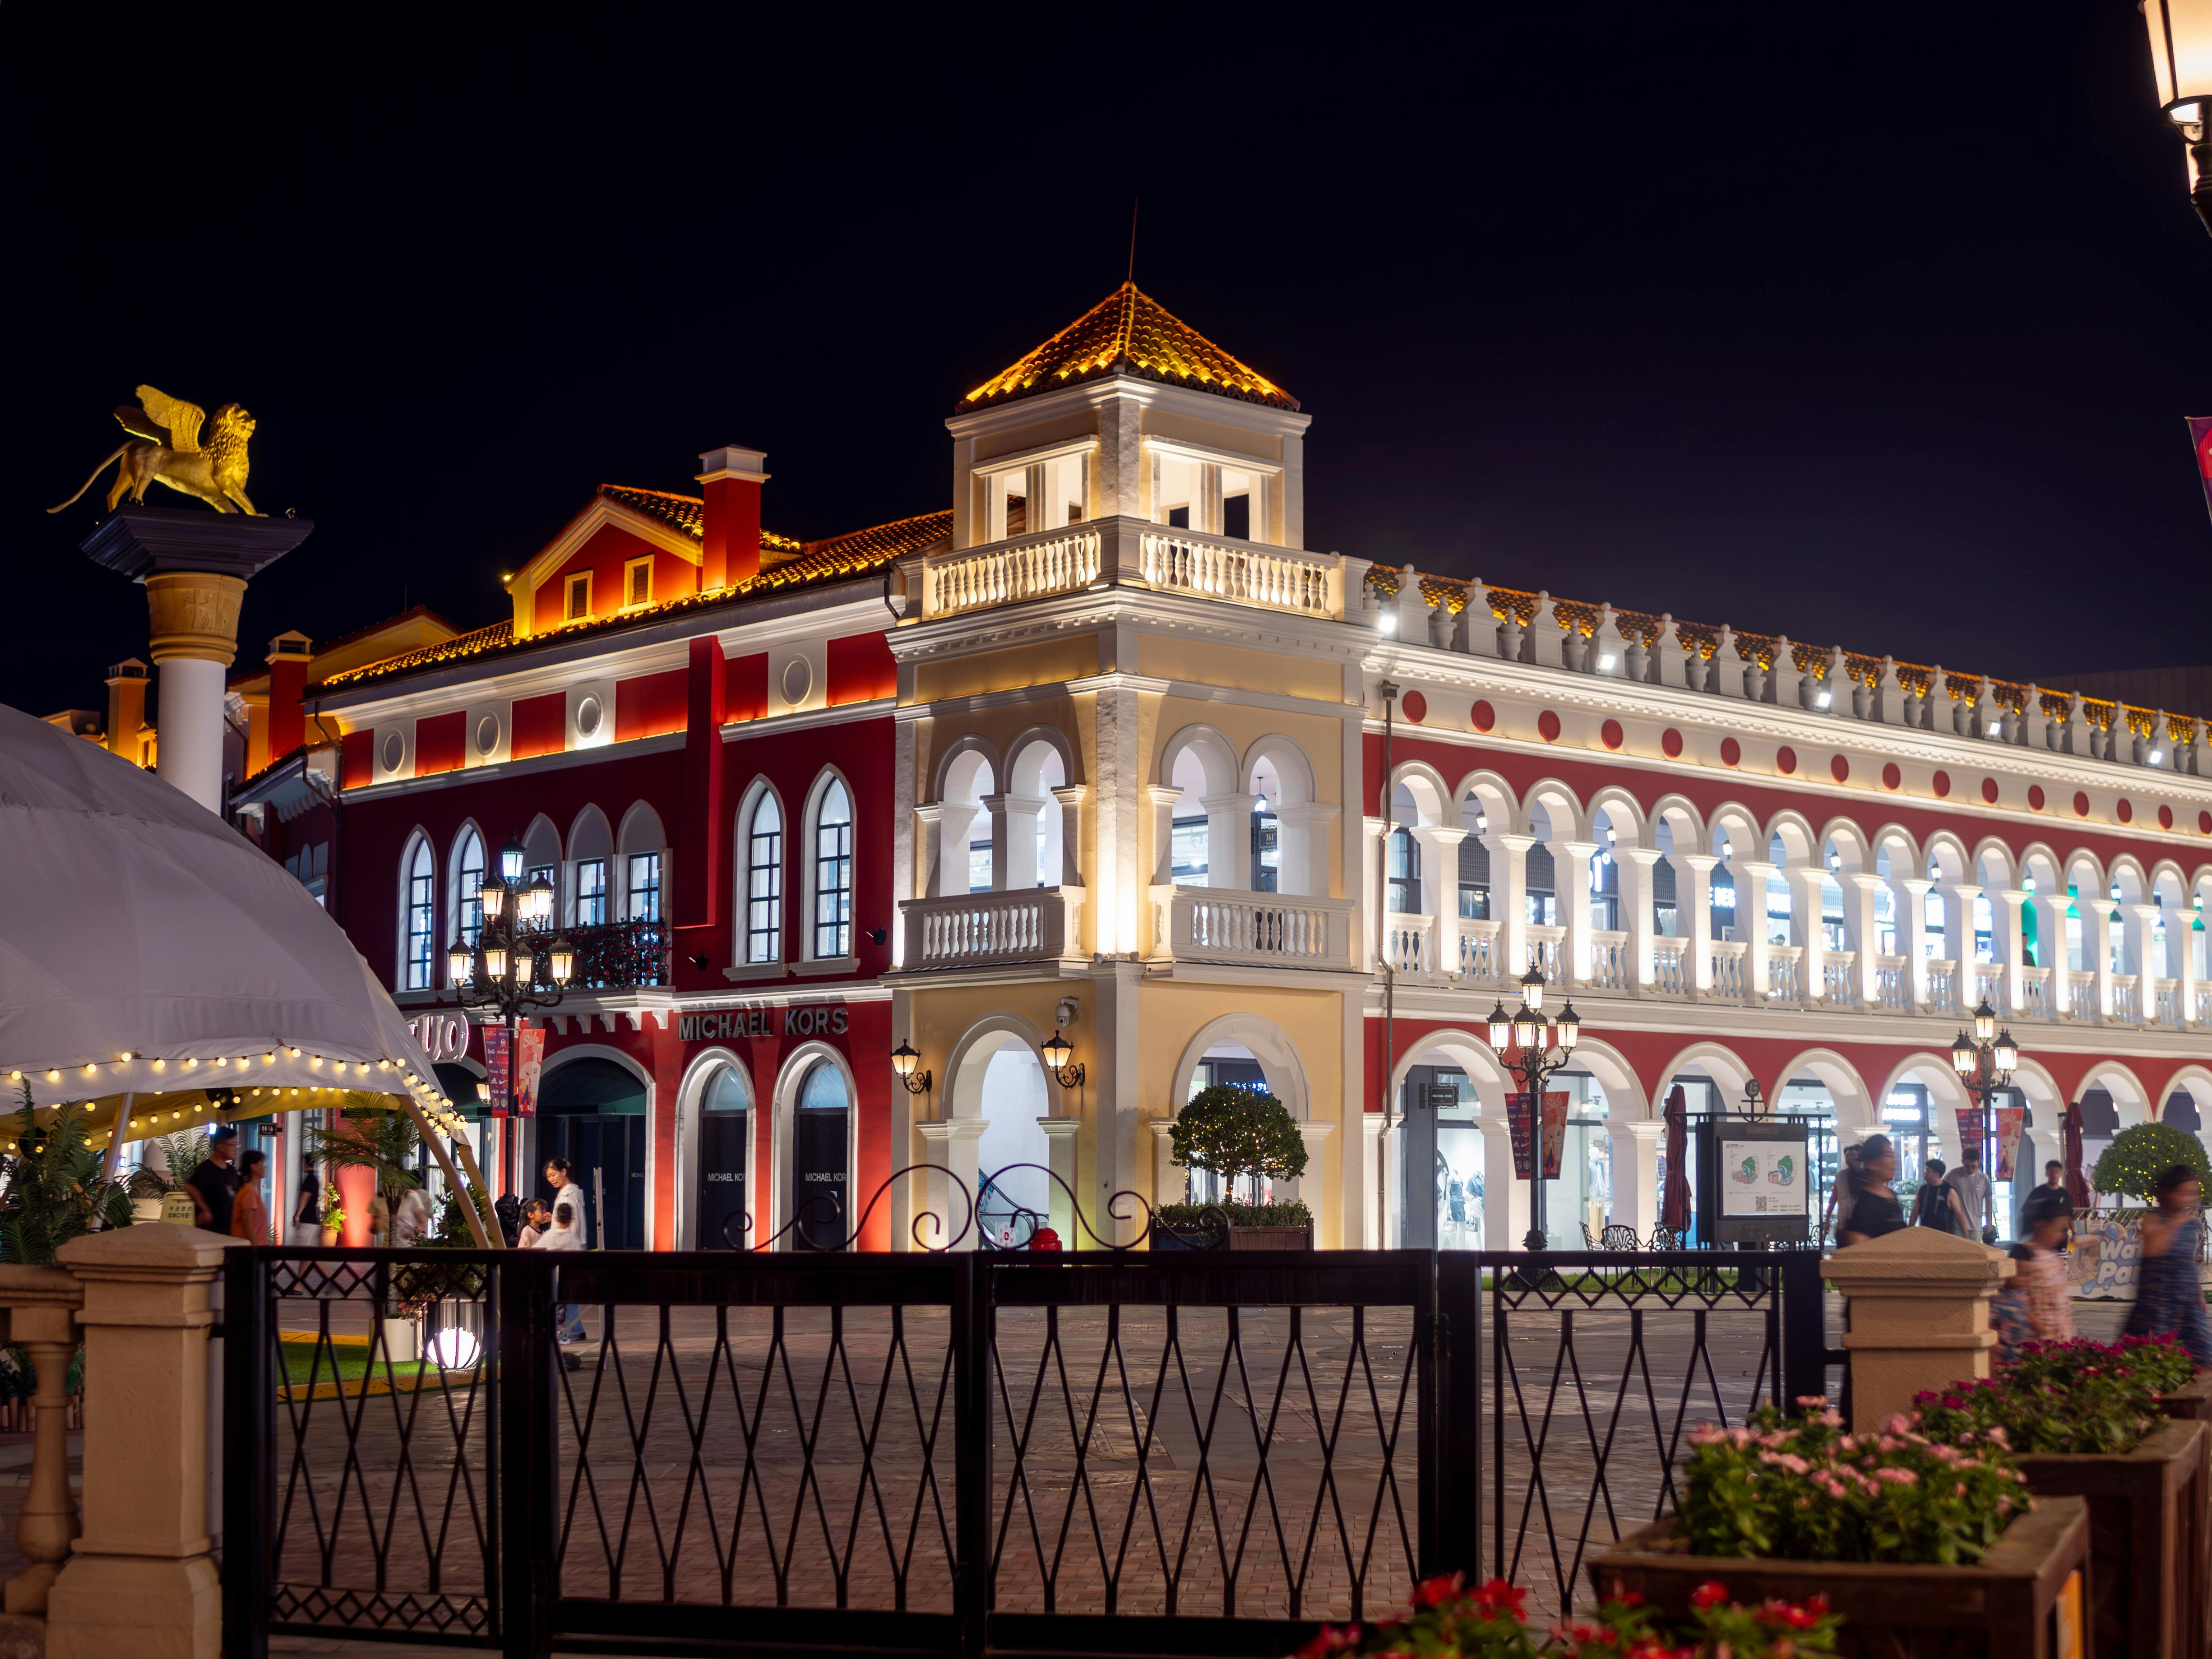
x=126 y=708
x=732 y=478
x=288 y=674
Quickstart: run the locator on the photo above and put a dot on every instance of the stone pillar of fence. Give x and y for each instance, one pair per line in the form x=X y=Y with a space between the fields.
x=142 y=1580
x=1917 y=1306
x=42 y=1304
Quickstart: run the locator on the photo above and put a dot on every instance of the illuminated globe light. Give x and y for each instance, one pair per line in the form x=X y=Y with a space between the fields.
x=455 y=1349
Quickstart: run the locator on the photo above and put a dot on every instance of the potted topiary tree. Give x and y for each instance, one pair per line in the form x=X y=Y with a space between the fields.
x=1234 y=1133
x=2141 y=1154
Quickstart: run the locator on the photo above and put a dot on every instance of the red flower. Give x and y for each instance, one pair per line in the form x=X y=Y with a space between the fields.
x=1817 y=1604
x=1496 y=1595
x=1435 y=1592
x=1711 y=1593
x=1632 y=1599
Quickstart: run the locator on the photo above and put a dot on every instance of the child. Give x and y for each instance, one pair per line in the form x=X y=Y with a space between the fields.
x=537 y=1222
x=2034 y=1306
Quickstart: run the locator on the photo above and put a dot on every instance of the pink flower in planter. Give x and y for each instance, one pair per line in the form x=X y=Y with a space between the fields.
x=1711 y=1593
x=1898 y=1477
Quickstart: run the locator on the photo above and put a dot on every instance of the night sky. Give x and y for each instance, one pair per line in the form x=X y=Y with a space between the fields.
x=1872 y=324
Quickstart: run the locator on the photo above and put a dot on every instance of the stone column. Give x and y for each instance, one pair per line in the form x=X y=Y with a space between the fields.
x=1636 y=1146
x=1013 y=841
x=2004 y=911
x=1161 y=798
x=2143 y=963
x=1919 y=1316
x=1303 y=867
x=1071 y=798
x=1695 y=871
x=1958 y=898
x=1509 y=898
x=1807 y=889
x=1571 y=881
x=1312 y=1187
x=1228 y=841
x=1751 y=876
x=1505 y=1197
x=1373 y=1214
x=1636 y=864
x=950 y=1145
x=1913 y=931
x=1374 y=893
x=42 y=1304
x=2181 y=940
x=1060 y=1158
x=142 y=1579
x=1862 y=932
x=195 y=565
x=1439 y=845
x=2098 y=916
x=1170 y=1180
x=2054 y=948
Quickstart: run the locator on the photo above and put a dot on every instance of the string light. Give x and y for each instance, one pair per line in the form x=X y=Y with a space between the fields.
x=193 y=1065
x=53 y=1077
x=91 y=1070
x=295 y=1053
x=161 y=1065
x=269 y=1058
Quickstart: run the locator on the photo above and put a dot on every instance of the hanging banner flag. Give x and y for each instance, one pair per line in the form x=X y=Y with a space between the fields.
x=1520 y=1131
x=1969 y=1130
x=529 y=1061
x=1555 y=1133
x=2010 y=1121
x=2200 y=440
x=495 y=1060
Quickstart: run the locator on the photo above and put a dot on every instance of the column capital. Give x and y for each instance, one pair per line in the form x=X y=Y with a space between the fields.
x=1309 y=811
x=1703 y=863
x=1643 y=1128
x=1159 y=794
x=1863 y=881
x=1058 y=1128
x=1966 y=891
x=1440 y=834
x=1918 y=886
x=1233 y=801
x=1071 y=794
x=1510 y=840
x=1646 y=857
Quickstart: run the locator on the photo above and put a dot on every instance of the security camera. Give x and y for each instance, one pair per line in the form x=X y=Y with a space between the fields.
x=1064 y=1016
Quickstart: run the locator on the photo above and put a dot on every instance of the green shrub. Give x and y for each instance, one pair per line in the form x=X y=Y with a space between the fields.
x=1234 y=1132
x=2139 y=1155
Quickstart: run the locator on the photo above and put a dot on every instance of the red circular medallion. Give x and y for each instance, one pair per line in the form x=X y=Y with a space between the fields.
x=1943 y=784
x=2166 y=817
x=1547 y=726
x=1416 y=706
x=1785 y=760
x=1611 y=734
x=1839 y=769
x=1484 y=716
x=1989 y=791
x=1670 y=741
x=2126 y=810
x=2035 y=797
x=2204 y=823
x=1731 y=751
x=1891 y=776
x=2080 y=804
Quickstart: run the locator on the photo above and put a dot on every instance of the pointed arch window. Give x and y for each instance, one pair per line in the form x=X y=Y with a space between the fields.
x=468 y=883
x=833 y=873
x=763 y=845
x=420 y=942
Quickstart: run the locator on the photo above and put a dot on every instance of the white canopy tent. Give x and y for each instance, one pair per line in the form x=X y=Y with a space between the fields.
x=148 y=954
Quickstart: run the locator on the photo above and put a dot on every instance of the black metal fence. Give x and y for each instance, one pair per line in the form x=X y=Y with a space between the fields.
x=1191 y=1451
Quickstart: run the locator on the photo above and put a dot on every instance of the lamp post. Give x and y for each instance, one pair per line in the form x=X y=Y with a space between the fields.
x=1056 y=1051
x=1536 y=1061
x=1985 y=1062
x=904 y=1060
x=511 y=967
x=2181 y=61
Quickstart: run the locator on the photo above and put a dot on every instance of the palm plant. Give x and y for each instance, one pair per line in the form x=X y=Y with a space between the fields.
x=55 y=1188
x=370 y=1136
x=182 y=1152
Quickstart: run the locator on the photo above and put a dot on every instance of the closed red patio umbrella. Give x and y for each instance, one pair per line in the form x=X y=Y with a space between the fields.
x=2077 y=1179
x=1675 y=1204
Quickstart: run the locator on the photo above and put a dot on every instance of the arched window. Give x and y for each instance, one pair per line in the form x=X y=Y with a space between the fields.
x=1405 y=870
x=763 y=851
x=644 y=845
x=419 y=945
x=467 y=908
x=833 y=873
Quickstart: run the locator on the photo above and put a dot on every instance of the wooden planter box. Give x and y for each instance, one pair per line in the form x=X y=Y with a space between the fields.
x=1299 y=1237
x=2150 y=1531
x=2006 y=1605
x=2191 y=1402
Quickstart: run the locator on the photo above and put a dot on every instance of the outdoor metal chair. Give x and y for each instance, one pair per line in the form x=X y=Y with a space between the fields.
x=1618 y=1239
x=1664 y=1238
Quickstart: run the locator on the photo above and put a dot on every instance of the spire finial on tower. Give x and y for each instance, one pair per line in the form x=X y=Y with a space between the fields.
x=1135 y=202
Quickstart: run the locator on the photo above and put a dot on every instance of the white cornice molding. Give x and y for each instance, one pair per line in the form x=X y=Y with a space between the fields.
x=492 y=771
x=836 y=714
x=990 y=466
x=1090 y=394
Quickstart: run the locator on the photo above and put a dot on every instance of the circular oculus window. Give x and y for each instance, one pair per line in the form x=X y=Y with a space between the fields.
x=395 y=750
x=589 y=717
x=487 y=734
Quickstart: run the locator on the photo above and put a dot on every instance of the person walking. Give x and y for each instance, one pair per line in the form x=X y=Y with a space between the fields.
x=2051 y=1198
x=249 y=1215
x=1841 y=1195
x=1938 y=1204
x=1972 y=1182
x=214 y=1184
x=307 y=1213
x=1874 y=1212
x=569 y=1197
x=2034 y=1306
x=2169 y=1298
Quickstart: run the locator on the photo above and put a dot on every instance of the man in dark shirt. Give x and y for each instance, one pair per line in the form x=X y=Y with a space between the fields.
x=214 y=1185
x=1875 y=1211
x=2049 y=1199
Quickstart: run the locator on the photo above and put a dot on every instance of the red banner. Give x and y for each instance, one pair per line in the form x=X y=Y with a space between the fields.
x=495 y=1059
x=1555 y=1133
x=2010 y=1121
x=1969 y=1130
x=1521 y=1127
x=2200 y=440
x=529 y=1060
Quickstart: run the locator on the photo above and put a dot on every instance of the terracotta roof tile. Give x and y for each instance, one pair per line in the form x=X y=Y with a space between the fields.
x=1129 y=332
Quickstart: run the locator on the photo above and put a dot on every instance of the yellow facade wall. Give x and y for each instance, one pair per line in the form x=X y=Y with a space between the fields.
x=1207 y=662
x=1047 y=662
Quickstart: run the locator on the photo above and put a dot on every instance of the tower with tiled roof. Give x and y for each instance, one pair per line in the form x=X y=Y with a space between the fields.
x=1128 y=411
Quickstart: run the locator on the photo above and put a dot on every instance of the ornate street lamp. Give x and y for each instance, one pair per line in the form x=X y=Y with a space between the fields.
x=2181 y=62
x=1534 y=1063
x=1057 y=1052
x=904 y=1059
x=511 y=967
x=1985 y=1062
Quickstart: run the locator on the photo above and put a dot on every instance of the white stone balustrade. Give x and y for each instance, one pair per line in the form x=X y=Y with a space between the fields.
x=1728 y=969
x=1242 y=572
x=1477 y=949
x=1671 y=968
x=1893 y=984
x=1025 y=568
x=1406 y=944
x=1212 y=924
x=1609 y=963
x=969 y=930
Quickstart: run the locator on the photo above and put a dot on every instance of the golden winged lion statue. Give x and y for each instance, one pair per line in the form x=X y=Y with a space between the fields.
x=164 y=447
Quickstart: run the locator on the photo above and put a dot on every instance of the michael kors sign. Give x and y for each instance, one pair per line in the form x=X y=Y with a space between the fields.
x=804 y=1021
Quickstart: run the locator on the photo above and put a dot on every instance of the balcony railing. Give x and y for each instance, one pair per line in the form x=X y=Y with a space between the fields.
x=1247 y=573
x=1220 y=925
x=1942 y=984
x=2168 y=1004
x=1670 y=967
x=619 y=955
x=1547 y=950
x=1893 y=984
x=1839 y=980
x=1027 y=567
x=1609 y=964
x=2035 y=991
x=974 y=929
x=1478 y=949
x=2081 y=995
x=1407 y=943
x=1728 y=969
x=2126 y=1001
x=1785 y=973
